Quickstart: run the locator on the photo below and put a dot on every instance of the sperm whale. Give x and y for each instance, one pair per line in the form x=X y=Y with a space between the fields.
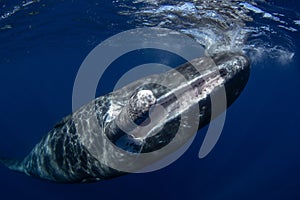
x=140 y=118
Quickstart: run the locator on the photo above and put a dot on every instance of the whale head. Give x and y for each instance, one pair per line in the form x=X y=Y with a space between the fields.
x=161 y=106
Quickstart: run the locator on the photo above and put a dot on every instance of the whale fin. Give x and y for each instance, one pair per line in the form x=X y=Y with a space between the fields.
x=13 y=164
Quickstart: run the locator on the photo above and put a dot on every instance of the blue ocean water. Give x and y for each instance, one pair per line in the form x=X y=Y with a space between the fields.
x=43 y=44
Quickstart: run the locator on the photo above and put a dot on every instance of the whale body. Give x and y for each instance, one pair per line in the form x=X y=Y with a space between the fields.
x=81 y=147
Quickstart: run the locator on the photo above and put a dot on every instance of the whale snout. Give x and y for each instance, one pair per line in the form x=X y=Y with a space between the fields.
x=231 y=64
x=235 y=69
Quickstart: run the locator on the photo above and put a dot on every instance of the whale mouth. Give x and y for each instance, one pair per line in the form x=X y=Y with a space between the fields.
x=154 y=113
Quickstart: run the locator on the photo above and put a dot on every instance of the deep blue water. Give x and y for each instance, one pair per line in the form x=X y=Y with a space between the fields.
x=257 y=156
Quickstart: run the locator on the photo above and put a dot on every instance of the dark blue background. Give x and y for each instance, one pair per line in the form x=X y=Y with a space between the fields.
x=257 y=156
